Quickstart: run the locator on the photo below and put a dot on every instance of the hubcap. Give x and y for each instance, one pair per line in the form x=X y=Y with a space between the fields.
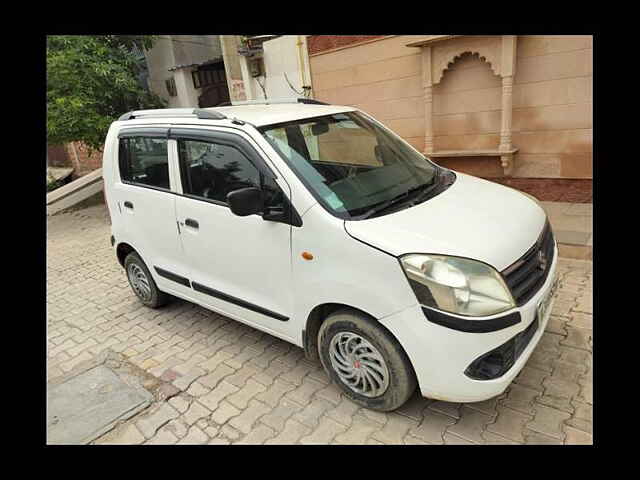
x=359 y=364
x=139 y=282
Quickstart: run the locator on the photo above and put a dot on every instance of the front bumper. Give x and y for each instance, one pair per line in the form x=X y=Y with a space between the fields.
x=440 y=355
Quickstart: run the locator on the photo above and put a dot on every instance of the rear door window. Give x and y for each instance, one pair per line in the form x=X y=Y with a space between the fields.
x=144 y=161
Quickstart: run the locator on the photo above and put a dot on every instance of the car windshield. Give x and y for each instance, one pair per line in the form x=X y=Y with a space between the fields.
x=354 y=167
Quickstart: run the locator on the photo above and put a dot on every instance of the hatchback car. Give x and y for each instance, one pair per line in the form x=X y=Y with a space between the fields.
x=318 y=225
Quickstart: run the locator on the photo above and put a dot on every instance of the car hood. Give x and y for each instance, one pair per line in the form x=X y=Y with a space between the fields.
x=473 y=218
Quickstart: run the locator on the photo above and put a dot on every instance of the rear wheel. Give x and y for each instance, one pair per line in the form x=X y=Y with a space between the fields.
x=366 y=361
x=142 y=282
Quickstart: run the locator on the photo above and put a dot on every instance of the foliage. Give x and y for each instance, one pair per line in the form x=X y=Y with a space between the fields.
x=91 y=81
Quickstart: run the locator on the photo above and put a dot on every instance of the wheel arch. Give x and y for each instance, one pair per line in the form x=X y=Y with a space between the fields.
x=316 y=317
x=122 y=250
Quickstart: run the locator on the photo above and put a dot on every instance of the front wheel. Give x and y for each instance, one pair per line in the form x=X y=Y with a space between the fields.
x=366 y=361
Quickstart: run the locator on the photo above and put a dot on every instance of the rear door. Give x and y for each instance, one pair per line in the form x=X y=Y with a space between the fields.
x=145 y=192
x=240 y=266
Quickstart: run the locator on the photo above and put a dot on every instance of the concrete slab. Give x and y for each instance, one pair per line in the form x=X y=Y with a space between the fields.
x=572 y=238
x=86 y=406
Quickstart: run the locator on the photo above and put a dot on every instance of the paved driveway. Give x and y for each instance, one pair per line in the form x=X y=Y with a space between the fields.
x=217 y=381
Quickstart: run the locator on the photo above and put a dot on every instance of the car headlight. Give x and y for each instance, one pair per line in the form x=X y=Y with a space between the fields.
x=457 y=285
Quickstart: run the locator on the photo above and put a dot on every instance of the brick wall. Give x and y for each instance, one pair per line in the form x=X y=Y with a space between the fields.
x=58 y=156
x=84 y=163
x=321 y=43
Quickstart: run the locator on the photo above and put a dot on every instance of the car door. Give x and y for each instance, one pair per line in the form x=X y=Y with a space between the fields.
x=239 y=266
x=144 y=190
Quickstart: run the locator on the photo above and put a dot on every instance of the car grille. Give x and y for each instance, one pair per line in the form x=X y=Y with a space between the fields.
x=525 y=277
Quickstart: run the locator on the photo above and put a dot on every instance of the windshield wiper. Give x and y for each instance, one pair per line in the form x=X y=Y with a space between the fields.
x=395 y=200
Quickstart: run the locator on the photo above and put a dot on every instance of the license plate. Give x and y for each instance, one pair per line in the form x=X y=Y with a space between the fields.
x=545 y=303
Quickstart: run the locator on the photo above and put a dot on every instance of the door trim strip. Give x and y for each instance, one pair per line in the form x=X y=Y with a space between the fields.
x=242 y=303
x=172 y=276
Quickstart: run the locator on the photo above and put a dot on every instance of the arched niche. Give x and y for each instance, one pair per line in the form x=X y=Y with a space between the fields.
x=439 y=52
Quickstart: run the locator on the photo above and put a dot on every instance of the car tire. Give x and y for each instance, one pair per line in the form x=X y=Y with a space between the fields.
x=365 y=361
x=142 y=282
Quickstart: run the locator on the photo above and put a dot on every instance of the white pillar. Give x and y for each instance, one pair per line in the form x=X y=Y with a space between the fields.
x=428 y=100
x=507 y=111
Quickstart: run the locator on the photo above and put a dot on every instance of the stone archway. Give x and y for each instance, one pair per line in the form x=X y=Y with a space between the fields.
x=439 y=52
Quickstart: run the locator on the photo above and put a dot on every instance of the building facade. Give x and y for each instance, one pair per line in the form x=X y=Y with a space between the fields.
x=494 y=106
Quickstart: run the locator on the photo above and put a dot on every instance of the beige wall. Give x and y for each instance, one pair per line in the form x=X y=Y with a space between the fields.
x=552 y=100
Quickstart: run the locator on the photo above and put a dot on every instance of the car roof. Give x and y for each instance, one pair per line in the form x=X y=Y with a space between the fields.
x=261 y=115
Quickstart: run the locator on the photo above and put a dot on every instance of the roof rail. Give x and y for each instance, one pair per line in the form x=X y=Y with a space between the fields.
x=174 y=112
x=269 y=101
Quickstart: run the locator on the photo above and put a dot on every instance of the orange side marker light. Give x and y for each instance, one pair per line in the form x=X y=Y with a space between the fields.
x=307 y=256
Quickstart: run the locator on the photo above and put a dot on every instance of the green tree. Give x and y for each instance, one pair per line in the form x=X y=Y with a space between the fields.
x=91 y=81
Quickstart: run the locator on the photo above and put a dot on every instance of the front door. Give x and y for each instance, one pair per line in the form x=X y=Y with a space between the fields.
x=239 y=266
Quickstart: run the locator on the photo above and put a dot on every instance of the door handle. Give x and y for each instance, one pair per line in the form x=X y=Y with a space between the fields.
x=189 y=222
x=128 y=204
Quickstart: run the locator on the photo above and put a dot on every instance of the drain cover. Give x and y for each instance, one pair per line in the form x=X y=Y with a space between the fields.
x=87 y=405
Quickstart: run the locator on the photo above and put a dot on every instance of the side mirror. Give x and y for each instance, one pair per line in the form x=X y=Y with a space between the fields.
x=246 y=201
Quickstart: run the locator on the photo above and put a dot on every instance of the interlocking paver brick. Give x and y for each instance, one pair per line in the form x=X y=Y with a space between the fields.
x=194 y=437
x=558 y=393
x=536 y=438
x=578 y=338
x=581 y=320
x=311 y=414
x=275 y=392
x=241 y=398
x=195 y=412
x=224 y=413
x=431 y=429
x=520 y=398
x=212 y=379
x=211 y=363
x=277 y=417
x=577 y=437
x=291 y=433
x=448 y=408
x=240 y=377
x=177 y=427
x=296 y=374
x=244 y=422
x=509 y=424
x=212 y=398
x=180 y=403
x=238 y=360
x=257 y=436
x=343 y=413
x=414 y=407
x=163 y=437
x=582 y=418
x=161 y=414
x=361 y=428
x=330 y=393
x=470 y=425
x=185 y=381
x=302 y=395
x=273 y=371
x=196 y=389
x=325 y=432
x=548 y=421
x=451 y=439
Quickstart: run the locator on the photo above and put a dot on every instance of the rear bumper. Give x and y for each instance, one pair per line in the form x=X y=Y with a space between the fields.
x=440 y=355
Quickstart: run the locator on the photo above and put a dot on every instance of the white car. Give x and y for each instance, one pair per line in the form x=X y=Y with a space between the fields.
x=320 y=226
